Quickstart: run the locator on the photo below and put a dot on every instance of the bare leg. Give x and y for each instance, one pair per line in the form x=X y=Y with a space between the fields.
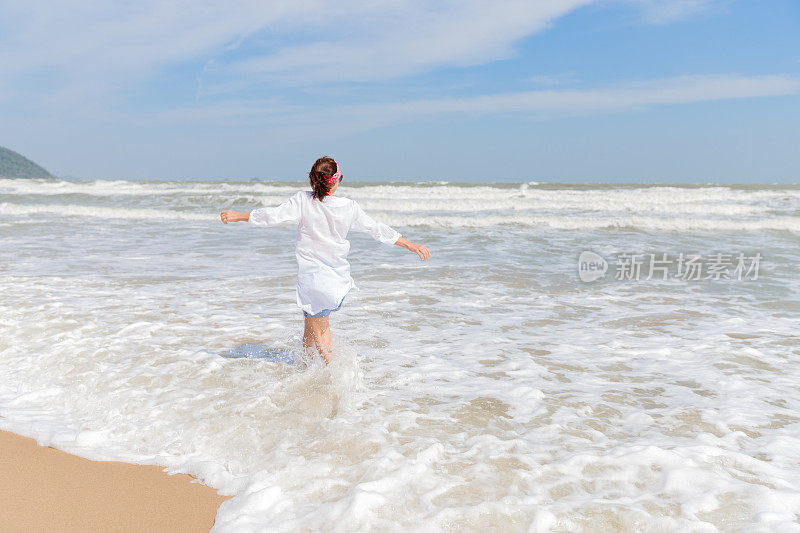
x=318 y=332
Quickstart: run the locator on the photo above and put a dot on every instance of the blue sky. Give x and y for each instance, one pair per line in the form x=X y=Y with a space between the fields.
x=548 y=90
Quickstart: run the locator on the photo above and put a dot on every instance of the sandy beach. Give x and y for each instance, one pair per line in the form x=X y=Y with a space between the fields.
x=44 y=489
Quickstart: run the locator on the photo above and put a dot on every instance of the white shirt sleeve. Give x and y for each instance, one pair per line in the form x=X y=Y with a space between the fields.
x=378 y=230
x=288 y=211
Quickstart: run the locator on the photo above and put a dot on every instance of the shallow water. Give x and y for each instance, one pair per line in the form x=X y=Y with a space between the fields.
x=489 y=388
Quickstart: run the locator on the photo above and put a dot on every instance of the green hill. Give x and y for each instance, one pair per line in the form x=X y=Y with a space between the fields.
x=13 y=165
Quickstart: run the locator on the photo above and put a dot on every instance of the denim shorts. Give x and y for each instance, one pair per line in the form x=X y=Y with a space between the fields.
x=324 y=312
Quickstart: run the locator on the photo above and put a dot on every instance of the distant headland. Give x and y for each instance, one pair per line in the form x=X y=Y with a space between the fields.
x=14 y=165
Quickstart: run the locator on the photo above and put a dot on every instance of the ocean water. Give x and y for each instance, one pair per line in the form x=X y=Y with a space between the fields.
x=486 y=389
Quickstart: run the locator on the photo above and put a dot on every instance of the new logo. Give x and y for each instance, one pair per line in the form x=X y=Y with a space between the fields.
x=591 y=266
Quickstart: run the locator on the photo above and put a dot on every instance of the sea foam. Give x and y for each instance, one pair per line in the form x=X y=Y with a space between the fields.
x=486 y=389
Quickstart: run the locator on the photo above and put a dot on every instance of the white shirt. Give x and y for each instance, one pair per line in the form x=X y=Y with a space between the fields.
x=323 y=272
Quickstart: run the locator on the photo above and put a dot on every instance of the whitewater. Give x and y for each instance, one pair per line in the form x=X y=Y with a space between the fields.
x=486 y=389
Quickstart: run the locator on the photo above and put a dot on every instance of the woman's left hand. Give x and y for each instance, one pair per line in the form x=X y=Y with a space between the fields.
x=233 y=216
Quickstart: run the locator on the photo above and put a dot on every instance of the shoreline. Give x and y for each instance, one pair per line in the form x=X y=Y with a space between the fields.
x=45 y=489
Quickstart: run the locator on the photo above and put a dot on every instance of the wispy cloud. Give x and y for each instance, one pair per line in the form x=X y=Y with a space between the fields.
x=674 y=90
x=552 y=80
x=303 y=121
x=666 y=11
x=63 y=51
x=59 y=53
x=299 y=41
x=407 y=38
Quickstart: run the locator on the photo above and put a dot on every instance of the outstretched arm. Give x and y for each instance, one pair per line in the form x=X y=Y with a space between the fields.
x=383 y=233
x=288 y=211
x=419 y=249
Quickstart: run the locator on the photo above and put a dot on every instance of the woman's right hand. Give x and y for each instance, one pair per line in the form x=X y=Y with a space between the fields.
x=419 y=249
